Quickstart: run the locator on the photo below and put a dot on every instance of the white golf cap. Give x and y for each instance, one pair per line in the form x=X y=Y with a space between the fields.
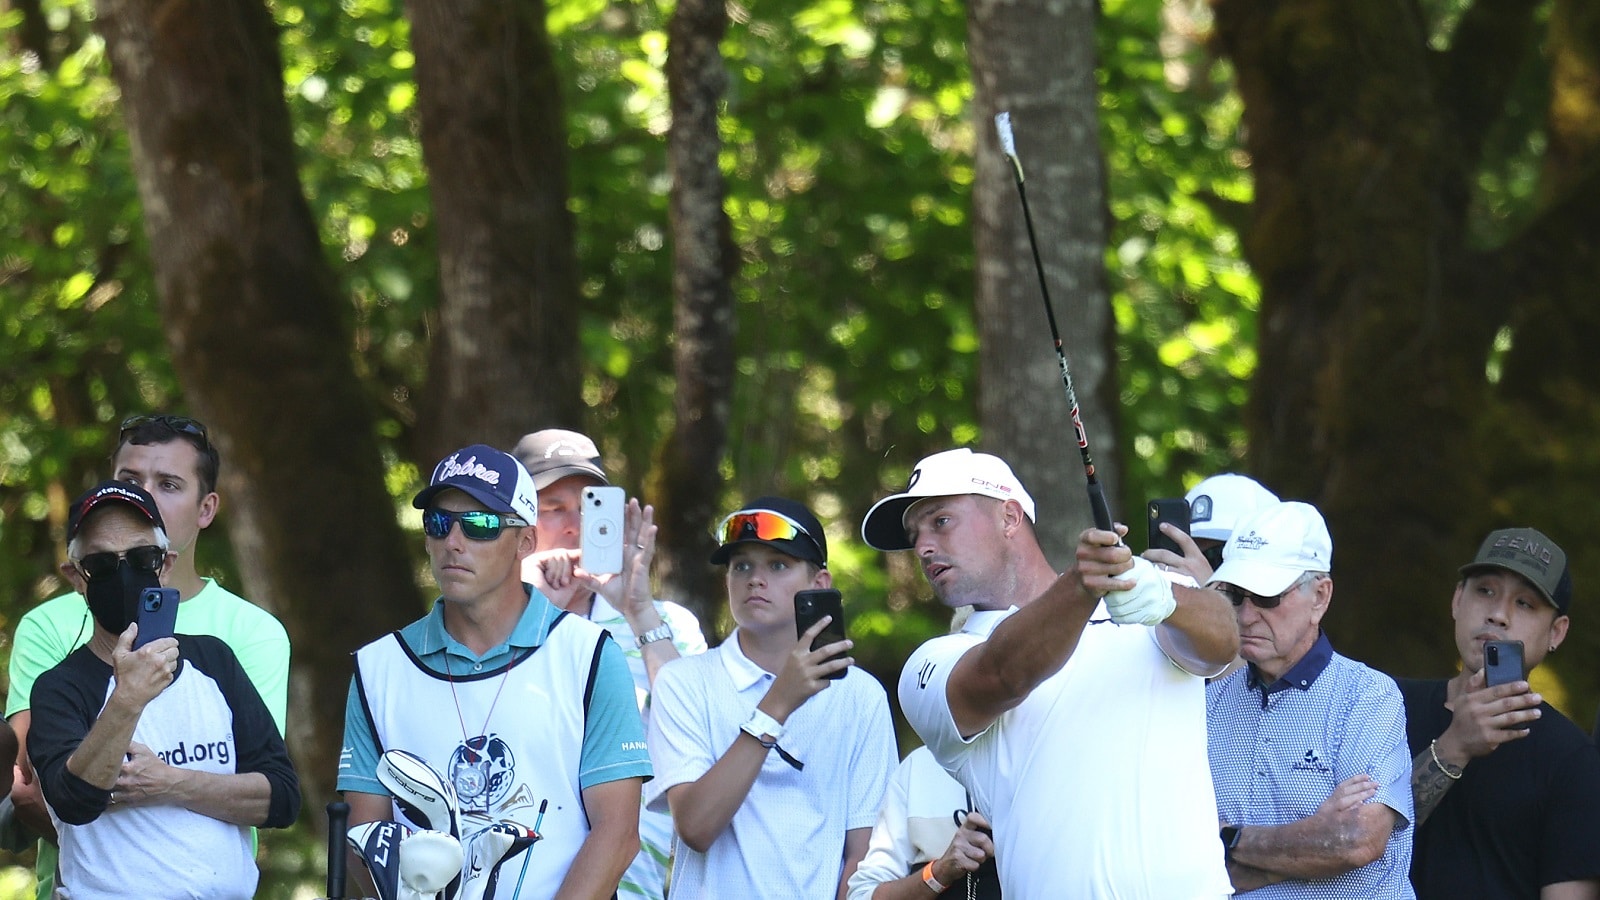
x=1218 y=504
x=948 y=474
x=1273 y=547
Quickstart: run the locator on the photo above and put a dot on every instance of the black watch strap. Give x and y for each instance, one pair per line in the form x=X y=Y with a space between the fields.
x=1230 y=840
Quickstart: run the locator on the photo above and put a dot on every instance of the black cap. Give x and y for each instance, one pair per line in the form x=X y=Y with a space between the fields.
x=811 y=546
x=111 y=492
x=554 y=453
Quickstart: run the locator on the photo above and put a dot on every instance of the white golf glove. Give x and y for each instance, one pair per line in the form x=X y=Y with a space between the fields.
x=1148 y=602
x=429 y=860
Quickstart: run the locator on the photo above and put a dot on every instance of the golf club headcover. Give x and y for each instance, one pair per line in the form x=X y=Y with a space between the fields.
x=1148 y=602
x=378 y=845
x=429 y=861
x=484 y=851
x=424 y=796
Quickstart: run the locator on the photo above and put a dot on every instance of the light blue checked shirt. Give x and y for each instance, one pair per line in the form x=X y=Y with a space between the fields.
x=1277 y=751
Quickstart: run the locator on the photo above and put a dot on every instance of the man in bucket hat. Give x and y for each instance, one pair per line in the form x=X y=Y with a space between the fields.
x=1507 y=789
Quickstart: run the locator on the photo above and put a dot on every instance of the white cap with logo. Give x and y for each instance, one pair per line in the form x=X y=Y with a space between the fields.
x=1272 y=548
x=948 y=474
x=1218 y=504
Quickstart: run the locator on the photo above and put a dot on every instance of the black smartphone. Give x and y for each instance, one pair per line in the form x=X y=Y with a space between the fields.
x=157 y=614
x=1166 y=509
x=1502 y=662
x=810 y=607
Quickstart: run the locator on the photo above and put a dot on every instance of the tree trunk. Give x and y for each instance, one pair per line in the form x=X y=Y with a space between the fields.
x=505 y=355
x=259 y=344
x=689 y=476
x=1378 y=314
x=1037 y=61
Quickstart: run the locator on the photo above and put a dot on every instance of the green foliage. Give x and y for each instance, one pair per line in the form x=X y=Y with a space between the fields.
x=1185 y=303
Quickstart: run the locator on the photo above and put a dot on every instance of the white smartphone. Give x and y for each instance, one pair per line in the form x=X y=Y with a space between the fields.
x=602 y=530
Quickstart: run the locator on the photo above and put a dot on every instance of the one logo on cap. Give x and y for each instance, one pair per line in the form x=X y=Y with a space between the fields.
x=1528 y=546
x=471 y=469
x=561 y=448
x=912 y=481
x=992 y=485
x=1200 y=510
x=1252 y=541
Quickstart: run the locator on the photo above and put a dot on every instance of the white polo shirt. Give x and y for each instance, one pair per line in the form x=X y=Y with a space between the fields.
x=1098 y=784
x=787 y=839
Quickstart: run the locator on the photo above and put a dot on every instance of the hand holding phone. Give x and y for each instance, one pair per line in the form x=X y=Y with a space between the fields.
x=601 y=543
x=157 y=615
x=809 y=608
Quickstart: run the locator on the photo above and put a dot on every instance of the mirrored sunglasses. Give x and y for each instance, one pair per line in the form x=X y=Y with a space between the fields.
x=476 y=524
x=97 y=566
x=759 y=524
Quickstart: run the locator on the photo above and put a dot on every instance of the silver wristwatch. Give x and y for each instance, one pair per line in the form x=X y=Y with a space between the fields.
x=662 y=632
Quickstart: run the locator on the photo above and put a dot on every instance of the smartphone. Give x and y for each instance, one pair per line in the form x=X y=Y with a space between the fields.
x=1502 y=662
x=157 y=614
x=810 y=607
x=1166 y=509
x=601 y=543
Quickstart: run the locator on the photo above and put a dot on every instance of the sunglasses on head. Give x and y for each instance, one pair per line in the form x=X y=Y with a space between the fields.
x=476 y=524
x=97 y=566
x=1238 y=595
x=761 y=524
x=180 y=424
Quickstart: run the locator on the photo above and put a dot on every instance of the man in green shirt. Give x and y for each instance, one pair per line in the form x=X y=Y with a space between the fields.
x=173 y=459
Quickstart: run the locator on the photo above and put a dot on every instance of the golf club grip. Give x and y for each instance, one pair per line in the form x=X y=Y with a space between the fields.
x=338 y=829
x=1098 y=506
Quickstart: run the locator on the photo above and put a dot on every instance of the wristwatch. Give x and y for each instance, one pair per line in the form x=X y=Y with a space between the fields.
x=662 y=632
x=1230 y=839
x=764 y=728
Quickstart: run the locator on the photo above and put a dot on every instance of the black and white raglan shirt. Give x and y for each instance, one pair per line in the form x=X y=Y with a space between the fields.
x=209 y=719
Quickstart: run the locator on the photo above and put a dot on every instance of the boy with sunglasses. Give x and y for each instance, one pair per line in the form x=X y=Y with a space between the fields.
x=211 y=761
x=1308 y=748
x=173 y=459
x=525 y=709
x=772 y=771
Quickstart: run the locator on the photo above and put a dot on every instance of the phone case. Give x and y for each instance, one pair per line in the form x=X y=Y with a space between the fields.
x=810 y=607
x=1166 y=509
x=601 y=543
x=157 y=615
x=1502 y=662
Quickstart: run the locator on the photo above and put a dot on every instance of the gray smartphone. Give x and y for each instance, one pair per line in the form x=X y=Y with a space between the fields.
x=157 y=614
x=1166 y=509
x=601 y=543
x=810 y=607
x=1502 y=662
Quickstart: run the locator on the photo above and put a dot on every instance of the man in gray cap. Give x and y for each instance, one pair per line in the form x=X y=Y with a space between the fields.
x=1507 y=789
x=650 y=632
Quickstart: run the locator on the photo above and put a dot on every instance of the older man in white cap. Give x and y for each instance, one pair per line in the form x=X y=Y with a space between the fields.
x=1076 y=721
x=1308 y=748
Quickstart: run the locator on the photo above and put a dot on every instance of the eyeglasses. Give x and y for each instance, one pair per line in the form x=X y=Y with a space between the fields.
x=1238 y=595
x=476 y=524
x=97 y=566
x=763 y=525
x=180 y=424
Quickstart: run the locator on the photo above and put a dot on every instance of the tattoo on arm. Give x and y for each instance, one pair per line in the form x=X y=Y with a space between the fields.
x=1428 y=786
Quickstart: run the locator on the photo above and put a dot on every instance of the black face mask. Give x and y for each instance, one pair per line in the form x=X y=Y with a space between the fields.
x=114 y=601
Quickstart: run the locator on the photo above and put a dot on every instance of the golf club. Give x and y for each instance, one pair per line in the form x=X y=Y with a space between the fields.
x=378 y=845
x=1097 y=494
x=338 y=828
x=424 y=796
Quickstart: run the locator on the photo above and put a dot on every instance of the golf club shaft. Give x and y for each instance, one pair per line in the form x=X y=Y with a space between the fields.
x=1097 y=495
x=338 y=828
